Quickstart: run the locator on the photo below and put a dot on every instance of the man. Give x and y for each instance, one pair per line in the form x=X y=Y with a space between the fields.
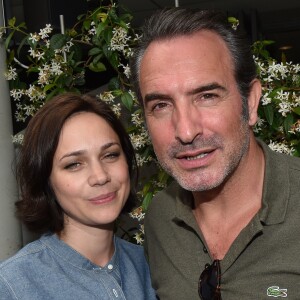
x=229 y=226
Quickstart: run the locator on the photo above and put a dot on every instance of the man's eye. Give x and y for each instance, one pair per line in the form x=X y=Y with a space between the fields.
x=159 y=106
x=208 y=99
x=209 y=96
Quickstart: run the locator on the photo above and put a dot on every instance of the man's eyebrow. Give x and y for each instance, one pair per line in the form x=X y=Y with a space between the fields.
x=204 y=88
x=155 y=96
x=207 y=87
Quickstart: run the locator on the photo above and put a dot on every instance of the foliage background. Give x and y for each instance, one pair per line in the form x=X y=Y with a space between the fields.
x=47 y=63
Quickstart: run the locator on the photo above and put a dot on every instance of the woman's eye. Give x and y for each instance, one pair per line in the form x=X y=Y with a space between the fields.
x=112 y=155
x=72 y=166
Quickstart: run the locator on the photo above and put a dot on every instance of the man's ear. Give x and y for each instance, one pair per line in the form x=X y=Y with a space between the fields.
x=253 y=101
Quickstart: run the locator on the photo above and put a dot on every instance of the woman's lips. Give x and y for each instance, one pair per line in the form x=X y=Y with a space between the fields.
x=103 y=199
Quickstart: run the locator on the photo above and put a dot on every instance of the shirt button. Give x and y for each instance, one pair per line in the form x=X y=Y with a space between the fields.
x=110 y=267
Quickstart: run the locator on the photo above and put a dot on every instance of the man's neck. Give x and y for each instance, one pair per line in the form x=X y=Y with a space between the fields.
x=223 y=212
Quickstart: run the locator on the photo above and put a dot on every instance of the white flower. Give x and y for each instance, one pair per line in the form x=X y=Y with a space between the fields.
x=139 y=238
x=295 y=128
x=137 y=213
x=39 y=55
x=119 y=40
x=2 y=31
x=93 y=30
x=137 y=119
x=18 y=138
x=126 y=68
x=259 y=124
x=32 y=52
x=11 y=74
x=296 y=68
x=285 y=107
x=265 y=100
x=44 y=75
x=116 y=108
x=55 y=68
x=44 y=33
x=139 y=140
x=34 y=37
x=107 y=97
x=281 y=147
x=85 y=39
x=16 y=94
x=35 y=94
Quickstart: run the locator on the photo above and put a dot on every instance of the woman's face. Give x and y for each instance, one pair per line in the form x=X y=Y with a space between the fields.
x=90 y=175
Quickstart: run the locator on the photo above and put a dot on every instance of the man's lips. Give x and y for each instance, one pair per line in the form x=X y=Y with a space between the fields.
x=194 y=155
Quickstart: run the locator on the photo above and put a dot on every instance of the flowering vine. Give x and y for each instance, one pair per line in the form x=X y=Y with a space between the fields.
x=47 y=63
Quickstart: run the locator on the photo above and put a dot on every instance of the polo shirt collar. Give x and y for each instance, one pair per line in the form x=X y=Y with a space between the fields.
x=276 y=189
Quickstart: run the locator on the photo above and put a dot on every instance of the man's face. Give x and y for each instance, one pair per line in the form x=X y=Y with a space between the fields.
x=193 y=109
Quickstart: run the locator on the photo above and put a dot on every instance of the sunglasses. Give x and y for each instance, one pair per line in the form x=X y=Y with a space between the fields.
x=210 y=281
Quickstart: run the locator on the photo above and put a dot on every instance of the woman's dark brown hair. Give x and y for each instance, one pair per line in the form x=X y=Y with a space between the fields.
x=38 y=208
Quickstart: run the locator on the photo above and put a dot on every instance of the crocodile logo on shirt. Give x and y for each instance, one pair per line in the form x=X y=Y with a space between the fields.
x=275 y=291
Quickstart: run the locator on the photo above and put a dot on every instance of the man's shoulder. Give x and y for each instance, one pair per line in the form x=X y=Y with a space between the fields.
x=166 y=197
x=285 y=160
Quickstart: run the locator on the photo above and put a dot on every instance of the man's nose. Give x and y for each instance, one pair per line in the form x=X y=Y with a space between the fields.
x=187 y=123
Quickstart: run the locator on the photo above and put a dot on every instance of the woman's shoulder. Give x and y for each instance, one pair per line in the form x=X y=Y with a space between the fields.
x=130 y=251
x=126 y=245
x=23 y=259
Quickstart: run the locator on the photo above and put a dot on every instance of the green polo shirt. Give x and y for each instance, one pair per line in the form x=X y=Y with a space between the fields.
x=262 y=263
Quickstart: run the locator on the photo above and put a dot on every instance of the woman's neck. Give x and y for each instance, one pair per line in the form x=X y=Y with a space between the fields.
x=96 y=244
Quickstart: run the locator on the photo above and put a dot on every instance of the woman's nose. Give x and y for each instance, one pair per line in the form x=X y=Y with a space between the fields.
x=98 y=175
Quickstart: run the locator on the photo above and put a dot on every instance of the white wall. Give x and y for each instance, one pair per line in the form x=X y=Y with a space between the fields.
x=10 y=229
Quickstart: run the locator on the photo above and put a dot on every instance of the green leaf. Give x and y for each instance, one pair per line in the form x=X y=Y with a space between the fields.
x=79 y=81
x=113 y=15
x=100 y=29
x=163 y=176
x=52 y=94
x=94 y=51
x=67 y=80
x=21 y=45
x=107 y=34
x=287 y=123
x=269 y=113
x=127 y=100
x=49 y=87
x=8 y=39
x=87 y=24
x=77 y=52
x=97 y=67
x=113 y=58
x=232 y=20
x=10 y=57
x=12 y=22
x=147 y=200
x=296 y=110
x=97 y=58
x=57 y=41
x=114 y=84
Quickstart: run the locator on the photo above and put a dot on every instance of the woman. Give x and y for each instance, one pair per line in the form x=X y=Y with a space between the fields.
x=74 y=172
